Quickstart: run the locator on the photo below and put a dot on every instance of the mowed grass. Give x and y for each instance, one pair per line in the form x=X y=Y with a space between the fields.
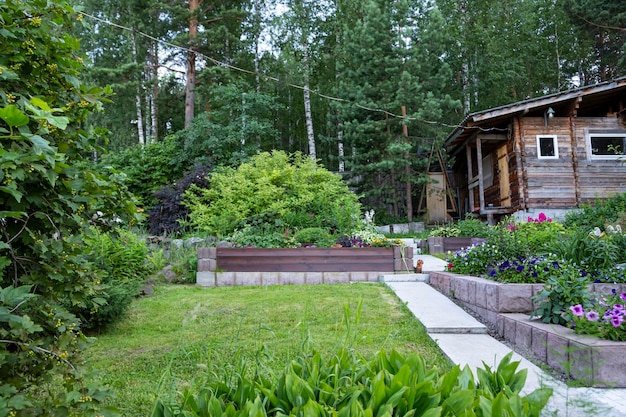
x=183 y=335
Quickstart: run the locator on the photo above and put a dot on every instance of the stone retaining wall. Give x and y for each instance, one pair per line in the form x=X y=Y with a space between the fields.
x=593 y=361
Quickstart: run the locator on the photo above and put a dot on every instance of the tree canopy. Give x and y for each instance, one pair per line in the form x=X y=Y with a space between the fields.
x=332 y=79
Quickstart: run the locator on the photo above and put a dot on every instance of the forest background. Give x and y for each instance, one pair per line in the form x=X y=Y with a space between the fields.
x=368 y=87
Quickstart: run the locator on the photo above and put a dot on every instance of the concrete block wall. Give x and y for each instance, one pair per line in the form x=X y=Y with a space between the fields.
x=590 y=360
x=594 y=362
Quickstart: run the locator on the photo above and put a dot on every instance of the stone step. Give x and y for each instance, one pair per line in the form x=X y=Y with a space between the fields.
x=434 y=310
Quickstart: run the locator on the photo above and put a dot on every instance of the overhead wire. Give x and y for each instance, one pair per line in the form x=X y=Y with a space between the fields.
x=275 y=79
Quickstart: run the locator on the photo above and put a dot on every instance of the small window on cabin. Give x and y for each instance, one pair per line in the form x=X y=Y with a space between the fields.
x=607 y=145
x=547 y=147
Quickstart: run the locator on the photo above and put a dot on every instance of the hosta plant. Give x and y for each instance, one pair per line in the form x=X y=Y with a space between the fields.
x=347 y=385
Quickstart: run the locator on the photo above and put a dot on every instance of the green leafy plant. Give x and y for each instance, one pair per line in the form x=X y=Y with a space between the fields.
x=448 y=230
x=601 y=212
x=315 y=236
x=123 y=258
x=48 y=200
x=469 y=227
x=273 y=183
x=561 y=291
x=593 y=251
x=348 y=385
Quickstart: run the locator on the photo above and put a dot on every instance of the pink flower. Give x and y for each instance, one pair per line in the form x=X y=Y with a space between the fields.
x=542 y=217
x=593 y=316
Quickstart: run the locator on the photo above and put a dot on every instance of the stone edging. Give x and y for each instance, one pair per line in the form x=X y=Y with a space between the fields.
x=590 y=360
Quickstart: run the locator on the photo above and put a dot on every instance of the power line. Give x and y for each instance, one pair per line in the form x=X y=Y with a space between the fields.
x=271 y=78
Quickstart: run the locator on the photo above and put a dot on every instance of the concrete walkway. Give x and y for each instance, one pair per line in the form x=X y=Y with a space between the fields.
x=465 y=341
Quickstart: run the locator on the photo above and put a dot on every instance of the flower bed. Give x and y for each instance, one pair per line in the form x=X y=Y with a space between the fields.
x=258 y=266
x=446 y=244
x=593 y=361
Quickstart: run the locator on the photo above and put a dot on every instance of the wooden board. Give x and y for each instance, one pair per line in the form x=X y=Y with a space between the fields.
x=305 y=259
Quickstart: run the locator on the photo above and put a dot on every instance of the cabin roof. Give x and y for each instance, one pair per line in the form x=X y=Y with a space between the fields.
x=595 y=100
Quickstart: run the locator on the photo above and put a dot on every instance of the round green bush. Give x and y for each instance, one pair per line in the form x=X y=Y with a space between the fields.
x=294 y=189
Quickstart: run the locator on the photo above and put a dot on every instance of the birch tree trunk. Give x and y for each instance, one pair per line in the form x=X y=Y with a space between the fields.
x=140 y=131
x=190 y=85
x=155 y=93
x=307 y=100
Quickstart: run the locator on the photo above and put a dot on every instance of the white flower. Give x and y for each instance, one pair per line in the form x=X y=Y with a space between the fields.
x=595 y=232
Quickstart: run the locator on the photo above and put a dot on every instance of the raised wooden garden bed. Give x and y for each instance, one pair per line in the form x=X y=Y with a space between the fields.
x=257 y=266
x=451 y=244
x=593 y=361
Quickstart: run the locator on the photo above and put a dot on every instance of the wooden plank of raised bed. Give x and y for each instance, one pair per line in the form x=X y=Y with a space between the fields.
x=305 y=259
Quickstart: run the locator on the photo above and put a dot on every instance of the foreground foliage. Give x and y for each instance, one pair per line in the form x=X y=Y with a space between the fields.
x=48 y=202
x=347 y=385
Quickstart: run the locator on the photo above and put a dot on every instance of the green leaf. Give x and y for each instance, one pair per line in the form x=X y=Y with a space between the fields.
x=13 y=214
x=58 y=121
x=460 y=402
x=40 y=145
x=40 y=103
x=13 y=116
x=13 y=192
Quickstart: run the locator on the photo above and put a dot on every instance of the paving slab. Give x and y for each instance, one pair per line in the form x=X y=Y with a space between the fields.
x=434 y=310
x=404 y=278
x=431 y=263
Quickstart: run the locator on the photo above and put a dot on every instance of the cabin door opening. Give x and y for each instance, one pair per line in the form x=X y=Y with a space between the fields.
x=503 y=174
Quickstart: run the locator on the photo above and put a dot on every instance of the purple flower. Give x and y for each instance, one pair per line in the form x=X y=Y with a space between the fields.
x=623 y=296
x=618 y=308
x=616 y=320
x=578 y=310
x=593 y=316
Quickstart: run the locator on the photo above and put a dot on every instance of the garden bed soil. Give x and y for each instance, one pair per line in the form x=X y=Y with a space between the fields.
x=507 y=307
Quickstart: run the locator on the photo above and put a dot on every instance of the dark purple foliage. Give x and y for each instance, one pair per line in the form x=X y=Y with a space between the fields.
x=165 y=216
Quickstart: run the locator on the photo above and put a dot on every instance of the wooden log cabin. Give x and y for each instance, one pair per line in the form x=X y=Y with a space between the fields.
x=548 y=154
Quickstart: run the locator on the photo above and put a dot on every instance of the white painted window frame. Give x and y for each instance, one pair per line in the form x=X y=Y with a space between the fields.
x=607 y=134
x=555 y=143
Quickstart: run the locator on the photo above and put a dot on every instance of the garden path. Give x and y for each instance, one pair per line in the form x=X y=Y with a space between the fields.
x=466 y=342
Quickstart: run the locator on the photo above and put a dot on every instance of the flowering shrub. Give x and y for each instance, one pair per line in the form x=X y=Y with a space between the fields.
x=541 y=218
x=474 y=260
x=604 y=319
x=527 y=270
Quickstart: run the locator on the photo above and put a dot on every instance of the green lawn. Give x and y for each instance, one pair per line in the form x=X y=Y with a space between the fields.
x=183 y=334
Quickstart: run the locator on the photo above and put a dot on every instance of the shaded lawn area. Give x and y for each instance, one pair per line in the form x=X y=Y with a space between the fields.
x=183 y=335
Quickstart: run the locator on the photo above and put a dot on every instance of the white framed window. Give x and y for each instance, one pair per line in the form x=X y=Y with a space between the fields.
x=547 y=147
x=606 y=144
